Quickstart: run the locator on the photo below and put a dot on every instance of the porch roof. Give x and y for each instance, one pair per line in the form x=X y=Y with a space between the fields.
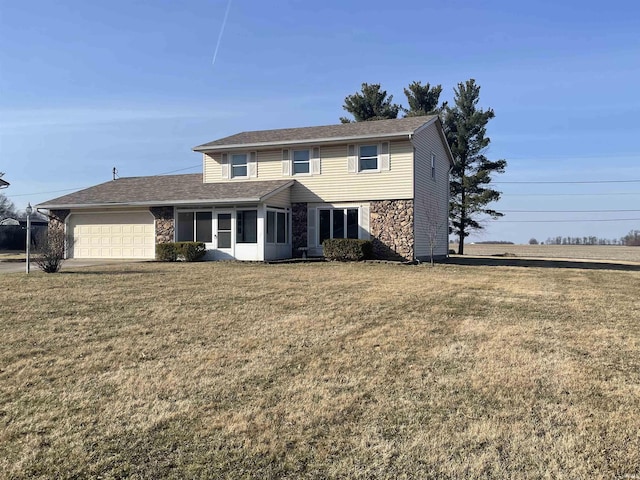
x=168 y=190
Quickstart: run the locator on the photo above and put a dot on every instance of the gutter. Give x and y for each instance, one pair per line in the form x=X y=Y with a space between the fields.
x=214 y=148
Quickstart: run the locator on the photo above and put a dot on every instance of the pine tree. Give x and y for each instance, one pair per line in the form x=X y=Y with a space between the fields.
x=370 y=104
x=423 y=99
x=465 y=127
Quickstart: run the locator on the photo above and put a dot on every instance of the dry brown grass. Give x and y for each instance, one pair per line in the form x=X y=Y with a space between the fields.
x=225 y=370
x=586 y=252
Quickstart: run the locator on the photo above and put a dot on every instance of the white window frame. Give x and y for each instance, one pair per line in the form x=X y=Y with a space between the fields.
x=433 y=166
x=287 y=220
x=195 y=223
x=360 y=157
x=232 y=166
x=307 y=161
x=333 y=209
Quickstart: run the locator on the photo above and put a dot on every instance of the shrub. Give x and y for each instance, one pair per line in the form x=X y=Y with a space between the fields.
x=49 y=254
x=347 y=249
x=190 y=251
x=166 y=252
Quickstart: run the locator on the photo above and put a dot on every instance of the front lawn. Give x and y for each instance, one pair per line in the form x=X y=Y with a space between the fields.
x=324 y=370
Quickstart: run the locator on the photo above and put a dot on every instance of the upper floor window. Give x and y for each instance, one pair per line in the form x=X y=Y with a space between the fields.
x=238 y=165
x=433 y=166
x=368 y=157
x=301 y=161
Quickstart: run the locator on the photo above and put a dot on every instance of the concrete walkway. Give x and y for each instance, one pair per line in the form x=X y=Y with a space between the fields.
x=15 y=267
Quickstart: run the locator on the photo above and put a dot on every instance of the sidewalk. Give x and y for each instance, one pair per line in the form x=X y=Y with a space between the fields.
x=15 y=267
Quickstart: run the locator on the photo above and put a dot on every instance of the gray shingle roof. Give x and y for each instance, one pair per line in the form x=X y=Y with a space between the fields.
x=166 y=190
x=327 y=133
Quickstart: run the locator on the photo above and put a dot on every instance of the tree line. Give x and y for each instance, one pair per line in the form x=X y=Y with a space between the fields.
x=632 y=239
x=465 y=127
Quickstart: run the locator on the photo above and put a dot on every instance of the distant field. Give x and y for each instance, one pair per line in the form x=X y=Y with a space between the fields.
x=320 y=370
x=587 y=252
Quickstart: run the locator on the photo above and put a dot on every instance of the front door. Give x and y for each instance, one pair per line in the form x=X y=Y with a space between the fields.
x=223 y=236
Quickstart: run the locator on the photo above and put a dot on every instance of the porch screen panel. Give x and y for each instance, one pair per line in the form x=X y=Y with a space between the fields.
x=204 y=227
x=185 y=227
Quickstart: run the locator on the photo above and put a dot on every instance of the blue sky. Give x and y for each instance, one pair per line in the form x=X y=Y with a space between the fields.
x=86 y=86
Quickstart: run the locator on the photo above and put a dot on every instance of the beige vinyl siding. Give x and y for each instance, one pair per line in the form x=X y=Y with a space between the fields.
x=432 y=196
x=280 y=199
x=334 y=184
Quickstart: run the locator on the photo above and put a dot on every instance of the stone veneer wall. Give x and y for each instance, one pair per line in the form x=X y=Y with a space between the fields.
x=299 y=227
x=391 y=227
x=57 y=218
x=165 y=223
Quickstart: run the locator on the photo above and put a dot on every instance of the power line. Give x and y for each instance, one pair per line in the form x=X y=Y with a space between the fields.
x=567 y=211
x=567 y=182
x=590 y=220
x=567 y=194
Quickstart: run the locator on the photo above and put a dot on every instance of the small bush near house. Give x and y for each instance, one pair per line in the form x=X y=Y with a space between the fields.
x=347 y=249
x=49 y=254
x=166 y=252
x=190 y=251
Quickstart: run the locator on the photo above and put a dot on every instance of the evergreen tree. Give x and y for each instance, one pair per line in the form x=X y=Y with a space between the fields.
x=465 y=127
x=423 y=99
x=370 y=104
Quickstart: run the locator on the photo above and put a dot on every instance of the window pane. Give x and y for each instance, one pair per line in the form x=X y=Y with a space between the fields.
x=204 y=228
x=282 y=227
x=301 y=167
x=301 y=155
x=185 y=227
x=239 y=171
x=325 y=225
x=368 y=164
x=238 y=159
x=338 y=224
x=224 y=221
x=224 y=239
x=271 y=227
x=369 y=151
x=352 y=223
x=247 y=226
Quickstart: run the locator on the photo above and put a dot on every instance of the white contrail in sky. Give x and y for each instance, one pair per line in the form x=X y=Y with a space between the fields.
x=224 y=23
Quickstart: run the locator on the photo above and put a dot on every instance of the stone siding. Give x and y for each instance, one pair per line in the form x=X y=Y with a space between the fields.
x=56 y=219
x=299 y=227
x=165 y=224
x=391 y=227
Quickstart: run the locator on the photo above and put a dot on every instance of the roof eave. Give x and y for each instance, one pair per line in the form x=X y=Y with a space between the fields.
x=215 y=148
x=161 y=203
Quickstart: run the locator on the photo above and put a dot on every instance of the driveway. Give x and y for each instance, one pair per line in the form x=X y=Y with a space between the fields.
x=15 y=267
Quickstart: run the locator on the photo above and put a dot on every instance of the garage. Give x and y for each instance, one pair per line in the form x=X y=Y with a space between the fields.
x=112 y=235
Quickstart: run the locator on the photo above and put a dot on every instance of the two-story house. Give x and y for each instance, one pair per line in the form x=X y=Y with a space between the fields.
x=274 y=194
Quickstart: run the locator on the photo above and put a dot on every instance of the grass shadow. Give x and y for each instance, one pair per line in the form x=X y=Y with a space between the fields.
x=538 y=263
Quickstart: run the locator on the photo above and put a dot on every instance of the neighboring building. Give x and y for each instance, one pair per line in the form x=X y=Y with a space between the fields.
x=275 y=194
x=3 y=183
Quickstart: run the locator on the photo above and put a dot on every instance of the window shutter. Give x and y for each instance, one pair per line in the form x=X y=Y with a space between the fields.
x=352 y=159
x=225 y=165
x=311 y=227
x=364 y=222
x=315 y=161
x=385 y=163
x=252 y=165
x=286 y=163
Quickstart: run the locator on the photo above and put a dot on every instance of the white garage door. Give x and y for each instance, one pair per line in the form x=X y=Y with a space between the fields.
x=113 y=235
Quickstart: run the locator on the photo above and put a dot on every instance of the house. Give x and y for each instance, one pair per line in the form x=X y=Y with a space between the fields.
x=275 y=194
x=3 y=183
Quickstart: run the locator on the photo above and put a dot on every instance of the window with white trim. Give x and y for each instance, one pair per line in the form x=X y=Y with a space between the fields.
x=277 y=226
x=368 y=157
x=301 y=160
x=195 y=226
x=337 y=223
x=247 y=226
x=433 y=165
x=238 y=165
